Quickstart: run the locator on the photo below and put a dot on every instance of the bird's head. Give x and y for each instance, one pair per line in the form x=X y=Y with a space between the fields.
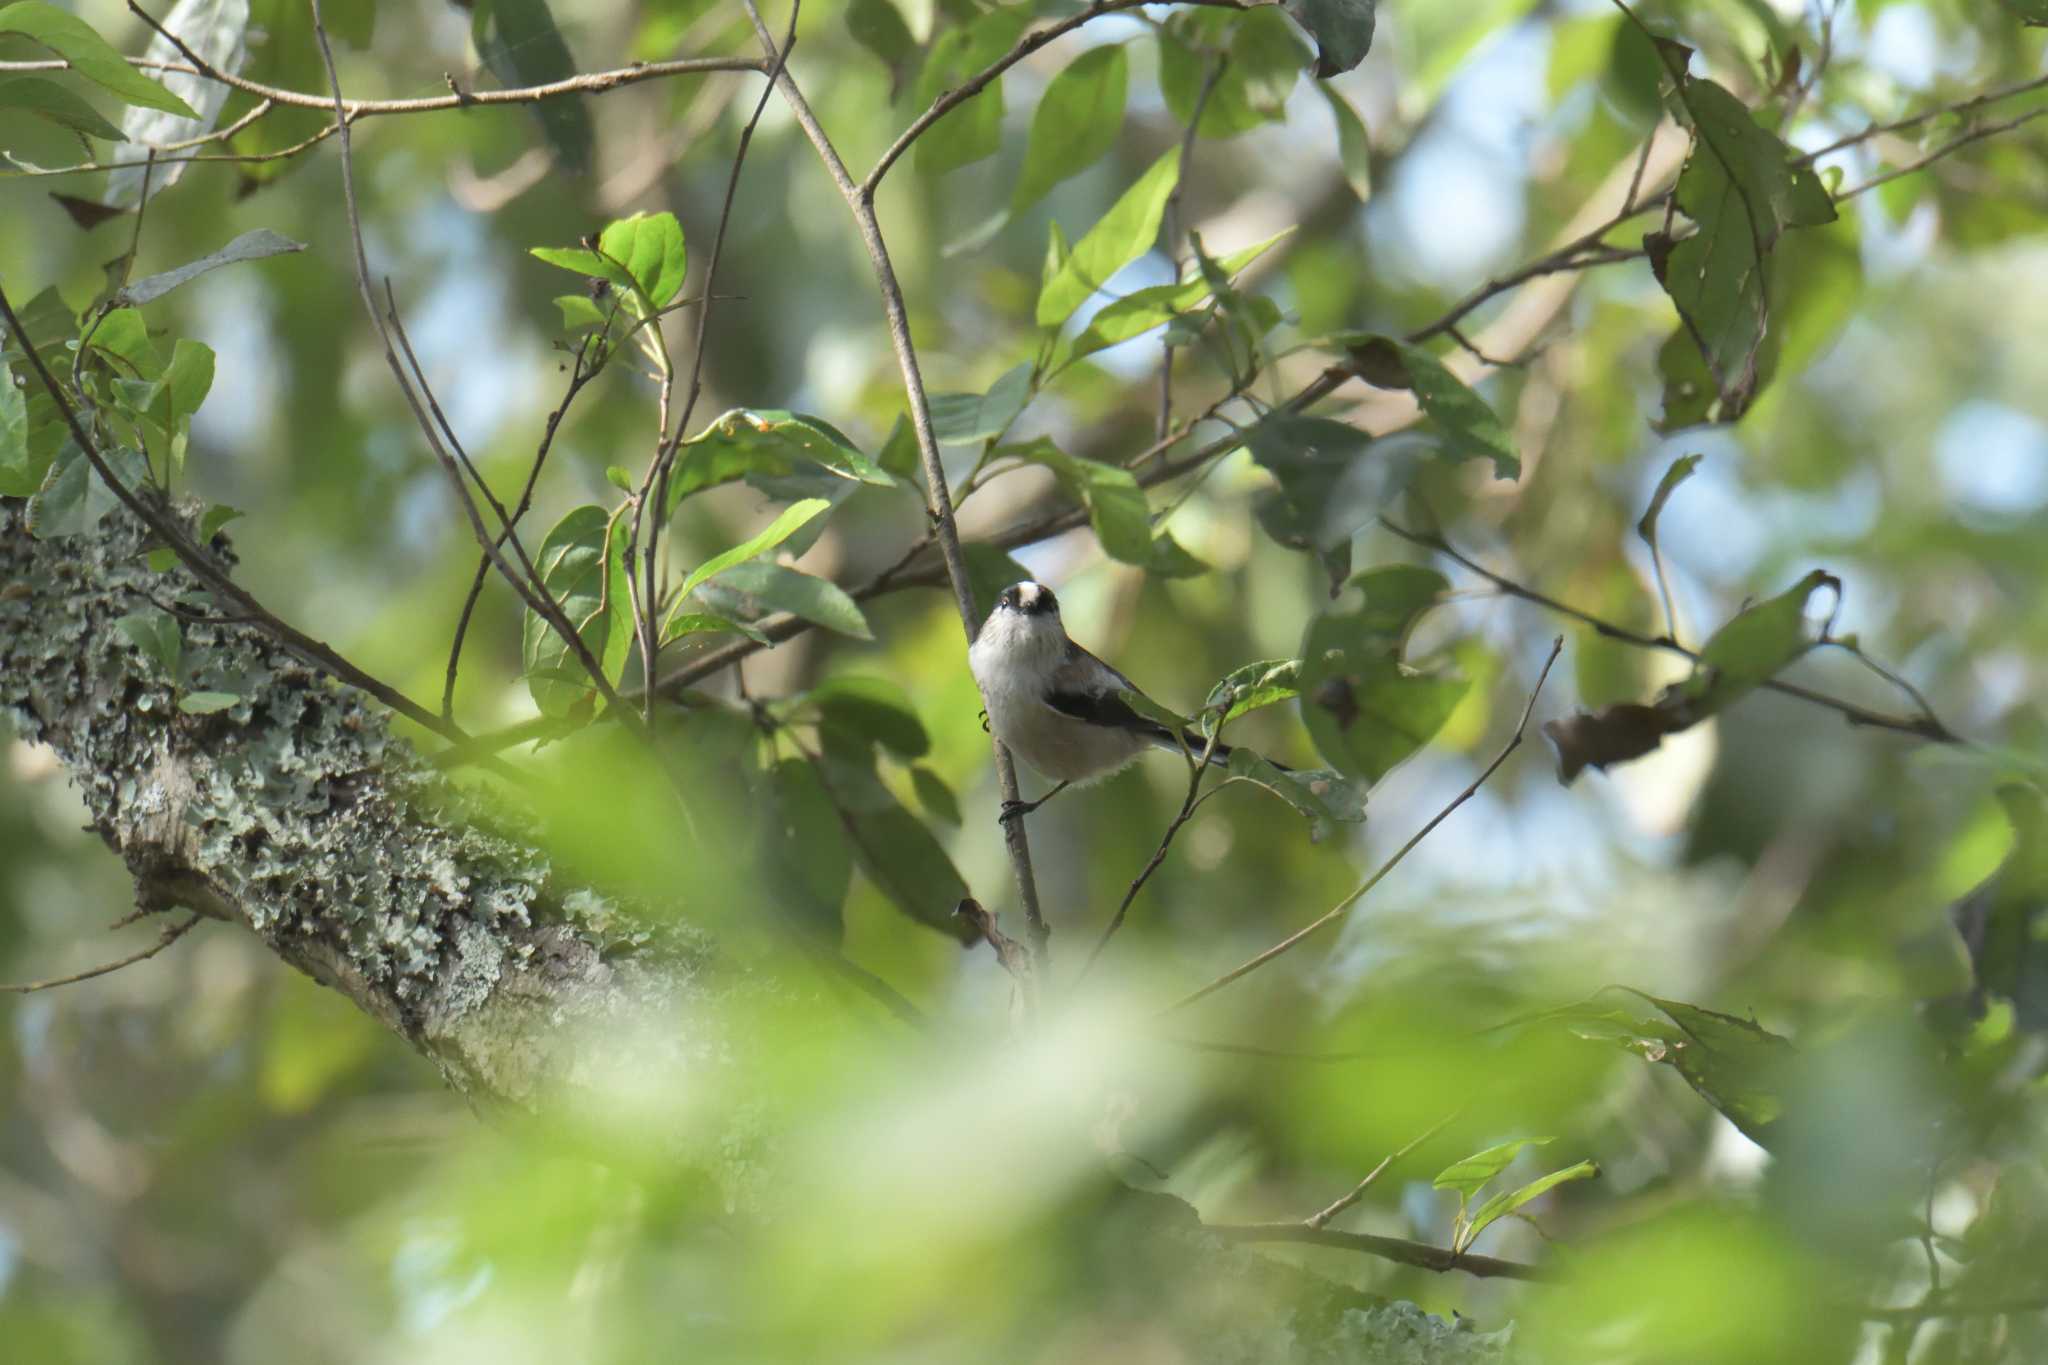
x=1027 y=619
x=1028 y=599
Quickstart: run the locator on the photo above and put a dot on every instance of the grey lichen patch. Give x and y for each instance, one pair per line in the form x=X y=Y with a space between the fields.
x=293 y=806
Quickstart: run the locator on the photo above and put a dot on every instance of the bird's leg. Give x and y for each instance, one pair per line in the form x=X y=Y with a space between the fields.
x=1017 y=810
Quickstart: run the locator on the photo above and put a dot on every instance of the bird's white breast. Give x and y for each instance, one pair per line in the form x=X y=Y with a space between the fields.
x=1013 y=659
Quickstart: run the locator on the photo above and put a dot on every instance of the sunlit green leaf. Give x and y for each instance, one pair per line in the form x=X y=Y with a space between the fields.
x=1144 y=309
x=1077 y=121
x=89 y=54
x=1254 y=57
x=1508 y=1201
x=766 y=443
x=155 y=633
x=751 y=591
x=973 y=129
x=521 y=45
x=777 y=531
x=207 y=703
x=1365 y=709
x=1116 y=504
x=1468 y=425
x=1253 y=686
x=961 y=418
x=50 y=101
x=1122 y=235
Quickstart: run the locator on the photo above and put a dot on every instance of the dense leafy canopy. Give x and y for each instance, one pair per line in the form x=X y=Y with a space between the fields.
x=1330 y=358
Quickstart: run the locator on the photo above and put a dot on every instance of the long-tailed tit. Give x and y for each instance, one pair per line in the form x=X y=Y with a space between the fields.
x=1056 y=705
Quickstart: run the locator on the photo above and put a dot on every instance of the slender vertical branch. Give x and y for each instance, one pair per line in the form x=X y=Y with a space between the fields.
x=1198 y=768
x=860 y=201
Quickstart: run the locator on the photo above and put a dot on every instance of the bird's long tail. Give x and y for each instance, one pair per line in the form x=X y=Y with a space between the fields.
x=1219 y=757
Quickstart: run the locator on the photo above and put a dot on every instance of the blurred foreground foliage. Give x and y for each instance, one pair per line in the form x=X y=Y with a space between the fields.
x=1739 y=1037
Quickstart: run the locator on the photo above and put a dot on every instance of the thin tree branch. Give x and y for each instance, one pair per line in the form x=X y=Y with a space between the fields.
x=1420 y=1254
x=1317 y=1220
x=1198 y=769
x=1926 y=726
x=1337 y=911
x=171 y=934
x=1956 y=144
x=594 y=83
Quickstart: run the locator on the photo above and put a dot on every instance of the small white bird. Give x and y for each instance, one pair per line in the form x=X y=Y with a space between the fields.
x=1055 y=705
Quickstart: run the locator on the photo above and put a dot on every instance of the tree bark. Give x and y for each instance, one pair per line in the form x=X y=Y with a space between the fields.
x=297 y=813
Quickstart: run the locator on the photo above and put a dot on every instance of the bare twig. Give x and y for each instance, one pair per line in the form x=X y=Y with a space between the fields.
x=1317 y=1220
x=1337 y=911
x=1915 y=120
x=171 y=934
x=1977 y=134
x=1198 y=769
x=1420 y=1254
x=1927 y=725
x=593 y=83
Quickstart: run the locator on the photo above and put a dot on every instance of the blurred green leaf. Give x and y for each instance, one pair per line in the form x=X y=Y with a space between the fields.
x=52 y=102
x=1507 y=1202
x=973 y=129
x=751 y=591
x=89 y=54
x=806 y=861
x=961 y=418
x=1468 y=1175
x=250 y=246
x=1354 y=144
x=1342 y=30
x=1122 y=235
x=1754 y=645
x=1116 y=505
x=207 y=703
x=21 y=472
x=582 y=563
x=1468 y=424
x=878 y=26
x=682 y=624
x=1365 y=709
x=1261 y=62
x=155 y=632
x=934 y=795
x=1323 y=796
x=766 y=443
x=1076 y=123
x=1741 y=188
x=1681 y=469
x=520 y=44
x=874 y=709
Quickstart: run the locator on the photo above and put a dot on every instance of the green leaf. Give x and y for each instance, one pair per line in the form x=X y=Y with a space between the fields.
x=751 y=591
x=72 y=499
x=579 y=311
x=909 y=866
x=1324 y=797
x=1262 y=62
x=187 y=380
x=582 y=564
x=1309 y=457
x=155 y=632
x=806 y=860
x=1125 y=233
x=1751 y=647
x=53 y=103
x=705 y=623
x=1116 y=504
x=216 y=516
x=1467 y=1176
x=1467 y=423
x=1365 y=709
x=2033 y=13
x=51 y=328
x=250 y=246
x=878 y=26
x=934 y=795
x=1741 y=189
x=1160 y=715
x=1354 y=145
x=1681 y=469
x=1342 y=30
x=122 y=335
x=874 y=709
x=1246 y=689
x=21 y=472
x=643 y=255
x=1141 y=310
x=89 y=54
x=1733 y=1064
x=766 y=443
x=1078 y=120
x=520 y=45
x=961 y=418
x=777 y=531
x=207 y=703
x=973 y=129
x=1506 y=1203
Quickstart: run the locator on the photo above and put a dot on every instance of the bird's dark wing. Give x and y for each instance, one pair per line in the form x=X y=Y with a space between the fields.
x=1078 y=690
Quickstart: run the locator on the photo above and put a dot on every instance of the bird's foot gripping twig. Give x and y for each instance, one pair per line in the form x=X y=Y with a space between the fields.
x=1017 y=810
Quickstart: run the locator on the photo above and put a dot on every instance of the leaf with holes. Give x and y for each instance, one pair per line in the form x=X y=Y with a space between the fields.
x=1364 y=707
x=1323 y=796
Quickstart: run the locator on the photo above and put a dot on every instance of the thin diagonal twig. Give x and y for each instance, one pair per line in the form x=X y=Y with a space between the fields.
x=171 y=934
x=1337 y=911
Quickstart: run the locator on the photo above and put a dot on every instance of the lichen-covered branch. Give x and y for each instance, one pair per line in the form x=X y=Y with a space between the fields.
x=296 y=812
